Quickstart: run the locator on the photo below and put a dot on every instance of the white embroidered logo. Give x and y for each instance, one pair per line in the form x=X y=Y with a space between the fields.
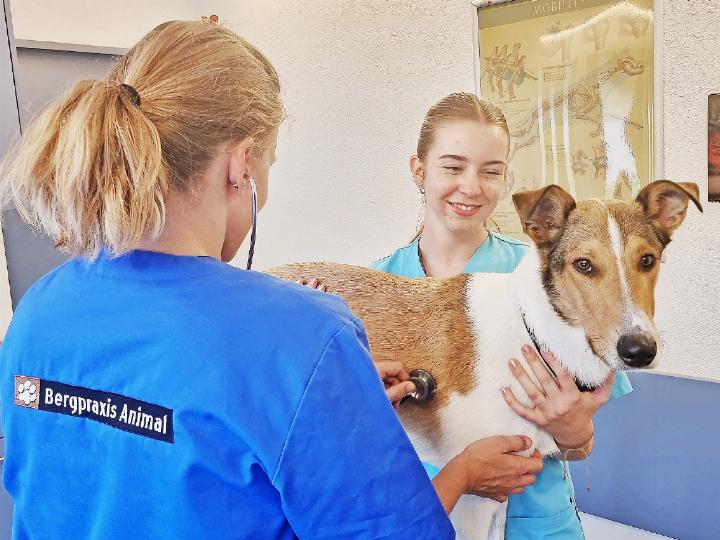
x=27 y=391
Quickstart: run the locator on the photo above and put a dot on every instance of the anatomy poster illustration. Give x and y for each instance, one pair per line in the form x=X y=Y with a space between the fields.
x=575 y=81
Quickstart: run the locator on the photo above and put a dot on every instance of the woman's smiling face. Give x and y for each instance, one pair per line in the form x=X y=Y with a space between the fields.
x=463 y=174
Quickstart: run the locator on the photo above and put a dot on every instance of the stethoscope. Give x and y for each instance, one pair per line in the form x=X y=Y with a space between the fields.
x=254 y=224
x=425 y=385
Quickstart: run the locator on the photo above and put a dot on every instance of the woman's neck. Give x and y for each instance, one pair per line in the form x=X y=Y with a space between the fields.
x=445 y=254
x=190 y=229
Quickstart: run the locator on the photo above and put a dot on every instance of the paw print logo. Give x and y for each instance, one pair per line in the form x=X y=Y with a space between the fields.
x=27 y=390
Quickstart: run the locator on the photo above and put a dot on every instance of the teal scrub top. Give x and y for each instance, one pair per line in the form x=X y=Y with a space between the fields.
x=545 y=510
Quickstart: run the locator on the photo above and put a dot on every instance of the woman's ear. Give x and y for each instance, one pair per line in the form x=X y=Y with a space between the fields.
x=240 y=157
x=416 y=168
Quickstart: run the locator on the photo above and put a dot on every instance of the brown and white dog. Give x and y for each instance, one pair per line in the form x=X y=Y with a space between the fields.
x=585 y=291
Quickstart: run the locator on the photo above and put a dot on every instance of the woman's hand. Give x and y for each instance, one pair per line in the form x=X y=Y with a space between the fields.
x=558 y=406
x=313 y=284
x=395 y=378
x=488 y=468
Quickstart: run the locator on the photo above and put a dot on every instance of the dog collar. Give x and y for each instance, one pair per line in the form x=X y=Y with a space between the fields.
x=531 y=333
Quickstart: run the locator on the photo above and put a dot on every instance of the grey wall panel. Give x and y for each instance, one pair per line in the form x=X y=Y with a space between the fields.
x=30 y=255
x=9 y=131
x=44 y=75
x=9 y=126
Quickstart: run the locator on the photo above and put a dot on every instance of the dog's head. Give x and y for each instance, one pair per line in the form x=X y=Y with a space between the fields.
x=600 y=262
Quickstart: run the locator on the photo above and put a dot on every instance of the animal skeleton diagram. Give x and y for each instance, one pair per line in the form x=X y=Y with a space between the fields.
x=589 y=100
x=503 y=68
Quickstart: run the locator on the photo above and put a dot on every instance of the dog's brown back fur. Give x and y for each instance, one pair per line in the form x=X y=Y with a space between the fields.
x=439 y=330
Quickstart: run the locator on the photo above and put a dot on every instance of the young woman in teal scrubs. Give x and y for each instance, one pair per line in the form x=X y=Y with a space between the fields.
x=460 y=169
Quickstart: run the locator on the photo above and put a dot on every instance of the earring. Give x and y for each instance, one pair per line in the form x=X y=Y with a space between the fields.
x=235 y=184
x=421 y=214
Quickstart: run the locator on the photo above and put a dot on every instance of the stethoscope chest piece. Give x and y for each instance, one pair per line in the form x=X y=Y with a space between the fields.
x=425 y=385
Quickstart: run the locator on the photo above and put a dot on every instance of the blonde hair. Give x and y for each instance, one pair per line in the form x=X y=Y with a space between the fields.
x=93 y=170
x=460 y=106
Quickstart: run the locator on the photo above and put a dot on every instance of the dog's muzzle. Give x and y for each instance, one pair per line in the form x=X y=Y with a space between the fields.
x=637 y=349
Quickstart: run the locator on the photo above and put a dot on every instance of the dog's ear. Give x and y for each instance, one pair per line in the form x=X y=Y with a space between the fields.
x=665 y=204
x=543 y=212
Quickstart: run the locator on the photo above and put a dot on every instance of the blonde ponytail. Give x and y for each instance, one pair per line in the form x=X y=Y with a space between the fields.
x=89 y=171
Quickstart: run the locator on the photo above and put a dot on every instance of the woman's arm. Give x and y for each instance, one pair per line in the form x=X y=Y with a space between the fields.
x=346 y=468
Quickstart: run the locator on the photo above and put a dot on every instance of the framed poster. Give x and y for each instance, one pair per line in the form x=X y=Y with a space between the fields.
x=575 y=81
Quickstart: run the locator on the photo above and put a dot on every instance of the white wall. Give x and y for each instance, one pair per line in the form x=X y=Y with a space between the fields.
x=358 y=77
x=688 y=294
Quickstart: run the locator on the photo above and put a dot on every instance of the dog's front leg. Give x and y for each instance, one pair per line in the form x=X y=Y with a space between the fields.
x=476 y=518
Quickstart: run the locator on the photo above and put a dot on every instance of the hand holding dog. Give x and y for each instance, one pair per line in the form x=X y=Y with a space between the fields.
x=488 y=468
x=558 y=406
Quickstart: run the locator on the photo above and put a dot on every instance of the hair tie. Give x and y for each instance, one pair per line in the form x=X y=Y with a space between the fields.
x=134 y=96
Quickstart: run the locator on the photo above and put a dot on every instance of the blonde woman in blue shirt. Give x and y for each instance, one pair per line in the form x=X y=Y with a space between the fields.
x=460 y=169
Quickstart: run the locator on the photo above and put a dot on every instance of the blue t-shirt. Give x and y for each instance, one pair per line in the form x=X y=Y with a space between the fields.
x=164 y=397
x=546 y=509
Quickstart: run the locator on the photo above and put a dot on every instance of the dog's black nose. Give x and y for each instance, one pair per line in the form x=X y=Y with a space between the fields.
x=637 y=349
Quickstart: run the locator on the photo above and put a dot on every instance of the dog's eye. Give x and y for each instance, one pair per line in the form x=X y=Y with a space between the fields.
x=583 y=265
x=647 y=261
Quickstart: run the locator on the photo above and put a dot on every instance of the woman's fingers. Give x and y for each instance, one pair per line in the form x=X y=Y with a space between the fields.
x=535 y=393
x=399 y=391
x=391 y=368
x=564 y=379
x=548 y=384
x=313 y=283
